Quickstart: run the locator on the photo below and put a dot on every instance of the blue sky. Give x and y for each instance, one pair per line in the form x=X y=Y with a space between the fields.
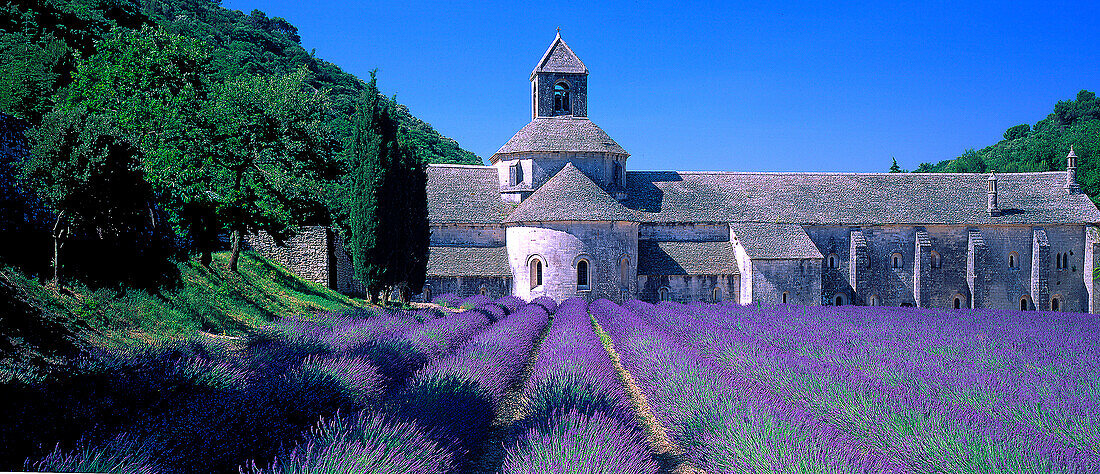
x=761 y=86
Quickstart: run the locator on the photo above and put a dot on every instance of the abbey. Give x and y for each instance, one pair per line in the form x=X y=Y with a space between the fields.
x=558 y=214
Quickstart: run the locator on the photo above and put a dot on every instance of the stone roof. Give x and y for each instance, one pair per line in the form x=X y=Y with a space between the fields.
x=774 y=241
x=570 y=196
x=465 y=194
x=562 y=133
x=853 y=198
x=686 y=258
x=468 y=261
x=560 y=58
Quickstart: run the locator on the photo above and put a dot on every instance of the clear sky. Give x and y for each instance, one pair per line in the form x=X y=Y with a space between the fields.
x=759 y=86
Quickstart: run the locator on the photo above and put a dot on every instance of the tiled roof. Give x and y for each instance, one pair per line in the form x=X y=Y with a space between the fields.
x=563 y=133
x=465 y=194
x=468 y=261
x=853 y=198
x=570 y=196
x=768 y=240
x=686 y=258
x=560 y=58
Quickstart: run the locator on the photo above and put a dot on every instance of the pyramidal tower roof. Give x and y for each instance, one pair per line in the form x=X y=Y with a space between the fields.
x=559 y=58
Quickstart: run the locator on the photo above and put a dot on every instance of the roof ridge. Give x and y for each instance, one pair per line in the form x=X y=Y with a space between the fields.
x=844 y=173
x=457 y=165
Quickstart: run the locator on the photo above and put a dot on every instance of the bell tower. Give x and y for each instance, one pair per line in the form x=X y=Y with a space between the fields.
x=559 y=83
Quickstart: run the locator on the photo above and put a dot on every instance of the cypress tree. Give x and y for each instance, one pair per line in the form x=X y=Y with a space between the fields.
x=388 y=202
x=367 y=178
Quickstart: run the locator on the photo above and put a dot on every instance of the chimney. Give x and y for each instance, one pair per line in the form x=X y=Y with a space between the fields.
x=1071 y=173
x=991 y=195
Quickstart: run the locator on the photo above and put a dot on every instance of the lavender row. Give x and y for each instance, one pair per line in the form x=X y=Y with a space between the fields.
x=922 y=423
x=725 y=421
x=456 y=398
x=579 y=417
x=1021 y=371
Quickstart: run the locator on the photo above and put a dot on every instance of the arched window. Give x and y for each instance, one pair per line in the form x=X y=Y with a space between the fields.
x=427 y=294
x=958 y=302
x=834 y=260
x=716 y=294
x=624 y=273
x=561 y=97
x=840 y=299
x=484 y=291
x=618 y=174
x=785 y=295
x=662 y=293
x=1012 y=259
x=1056 y=303
x=536 y=272
x=582 y=274
x=1025 y=303
x=935 y=259
x=873 y=300
x=895 y=260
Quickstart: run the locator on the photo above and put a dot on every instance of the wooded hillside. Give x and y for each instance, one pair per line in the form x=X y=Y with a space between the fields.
x=1041 y=147
x=41 y=39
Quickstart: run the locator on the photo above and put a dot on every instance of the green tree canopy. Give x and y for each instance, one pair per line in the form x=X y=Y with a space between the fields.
x=271 y=152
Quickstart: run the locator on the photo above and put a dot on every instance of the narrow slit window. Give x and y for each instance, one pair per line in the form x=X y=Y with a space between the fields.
x=536 y=272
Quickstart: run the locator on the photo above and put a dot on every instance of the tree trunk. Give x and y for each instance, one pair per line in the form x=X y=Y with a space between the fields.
x=205 y=257
x=59 y=232
x=235 y=252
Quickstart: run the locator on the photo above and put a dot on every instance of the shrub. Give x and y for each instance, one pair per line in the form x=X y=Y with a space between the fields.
x=122 y=454
x=575 y=442
x=366 y=442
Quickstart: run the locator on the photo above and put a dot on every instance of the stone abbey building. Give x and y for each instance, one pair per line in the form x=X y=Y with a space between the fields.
x=558 y=214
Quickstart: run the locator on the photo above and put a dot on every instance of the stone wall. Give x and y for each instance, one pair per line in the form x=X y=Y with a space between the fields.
x=307 y=254
x=493 y=287
x=685 y=232
x=560 y=245
x=460 y=235
x=688 y=288
x=799 y=278
x=543 y=94
x=979 y=274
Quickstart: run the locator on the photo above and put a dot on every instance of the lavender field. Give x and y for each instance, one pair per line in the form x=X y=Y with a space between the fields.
x=514 y=387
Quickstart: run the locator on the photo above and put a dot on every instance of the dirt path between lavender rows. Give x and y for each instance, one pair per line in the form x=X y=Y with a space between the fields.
x=511 y=409
x=667 y=453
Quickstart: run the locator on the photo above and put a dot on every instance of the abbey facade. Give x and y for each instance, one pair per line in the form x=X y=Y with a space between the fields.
x=558 y=214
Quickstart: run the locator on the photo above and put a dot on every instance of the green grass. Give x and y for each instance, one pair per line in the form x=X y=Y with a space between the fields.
x=207 y=300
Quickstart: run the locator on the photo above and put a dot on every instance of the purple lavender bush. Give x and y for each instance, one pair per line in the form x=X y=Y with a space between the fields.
x=474 y=301
x=450 y=300
x=510 y=303
x=876 y=367
x=367 y=442
x=456 y=397
x=574 y=372
x=121 y=454
x=576 y=442
x=725 y=420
